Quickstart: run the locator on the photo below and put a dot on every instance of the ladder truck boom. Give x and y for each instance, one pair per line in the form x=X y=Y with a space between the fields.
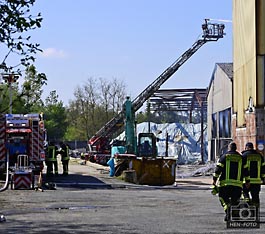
x=211 y=32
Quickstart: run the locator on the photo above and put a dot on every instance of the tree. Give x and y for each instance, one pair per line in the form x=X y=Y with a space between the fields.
x=17 y=101
x=25 y=100
x=96 y=102
x=105 y=87
x=32 y=89
x=85 y=105
x=74 y=131
x=112 y=96
x=15 y=21
x=55 y=117
x=117 y=95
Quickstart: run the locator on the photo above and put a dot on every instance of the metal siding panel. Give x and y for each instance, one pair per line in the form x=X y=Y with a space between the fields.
x=244 y=53
x=260 y=80
x=260 y=12
x=223 y=91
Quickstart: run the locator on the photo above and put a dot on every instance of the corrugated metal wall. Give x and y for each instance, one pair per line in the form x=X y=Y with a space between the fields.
x=260 y=20
x=244 y=34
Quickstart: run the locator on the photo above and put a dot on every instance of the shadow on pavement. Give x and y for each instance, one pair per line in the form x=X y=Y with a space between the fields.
x=73 y=181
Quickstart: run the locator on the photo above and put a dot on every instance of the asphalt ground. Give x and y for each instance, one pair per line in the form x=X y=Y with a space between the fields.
x=90 y=201
x=93 y=175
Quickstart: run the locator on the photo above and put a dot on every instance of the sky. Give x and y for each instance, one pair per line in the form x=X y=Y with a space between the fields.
x=133 y=41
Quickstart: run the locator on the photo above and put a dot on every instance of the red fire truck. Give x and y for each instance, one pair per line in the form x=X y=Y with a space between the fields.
x=22 y=141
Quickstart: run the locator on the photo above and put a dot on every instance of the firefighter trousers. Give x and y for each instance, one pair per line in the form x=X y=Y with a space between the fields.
x=229 y=196
x=52 y=168
x=254 y=191
x=65 y=166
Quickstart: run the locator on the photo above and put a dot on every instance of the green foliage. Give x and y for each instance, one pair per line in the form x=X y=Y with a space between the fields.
x=15 y=21
x=27 y=100
x=74 y=132
x=32 y=89
x=141 y=117
x=17 y=102
x=55 y=117
x=4 y=98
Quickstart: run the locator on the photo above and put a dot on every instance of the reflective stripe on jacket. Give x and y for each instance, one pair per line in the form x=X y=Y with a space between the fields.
x=255 y=165
x=65 y=153
x=231 y=169
x=51 y=154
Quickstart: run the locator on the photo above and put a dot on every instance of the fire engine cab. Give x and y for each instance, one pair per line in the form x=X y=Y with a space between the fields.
x=22 y=140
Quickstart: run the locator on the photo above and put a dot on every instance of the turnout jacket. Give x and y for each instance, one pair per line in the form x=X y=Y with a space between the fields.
x=51 y=153
x=256 y=166
x=231 y=169
x=64 y=152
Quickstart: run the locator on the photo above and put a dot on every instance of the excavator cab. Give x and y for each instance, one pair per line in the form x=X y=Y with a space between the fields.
x=147 y=145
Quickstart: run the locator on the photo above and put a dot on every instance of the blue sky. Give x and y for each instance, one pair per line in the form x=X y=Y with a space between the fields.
x=133 y=41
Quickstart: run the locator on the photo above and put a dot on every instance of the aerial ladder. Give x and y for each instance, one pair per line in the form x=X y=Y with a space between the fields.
x=211 y=32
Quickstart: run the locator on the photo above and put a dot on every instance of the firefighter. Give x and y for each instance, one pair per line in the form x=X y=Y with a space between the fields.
x=51 y=159
x=64 y=151
x=231 y=169
x=256 y=167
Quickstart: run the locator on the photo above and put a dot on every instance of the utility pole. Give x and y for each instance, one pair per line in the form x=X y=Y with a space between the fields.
x=10 y=78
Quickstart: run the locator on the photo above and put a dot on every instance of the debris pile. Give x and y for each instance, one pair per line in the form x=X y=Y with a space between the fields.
x=184 y=171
